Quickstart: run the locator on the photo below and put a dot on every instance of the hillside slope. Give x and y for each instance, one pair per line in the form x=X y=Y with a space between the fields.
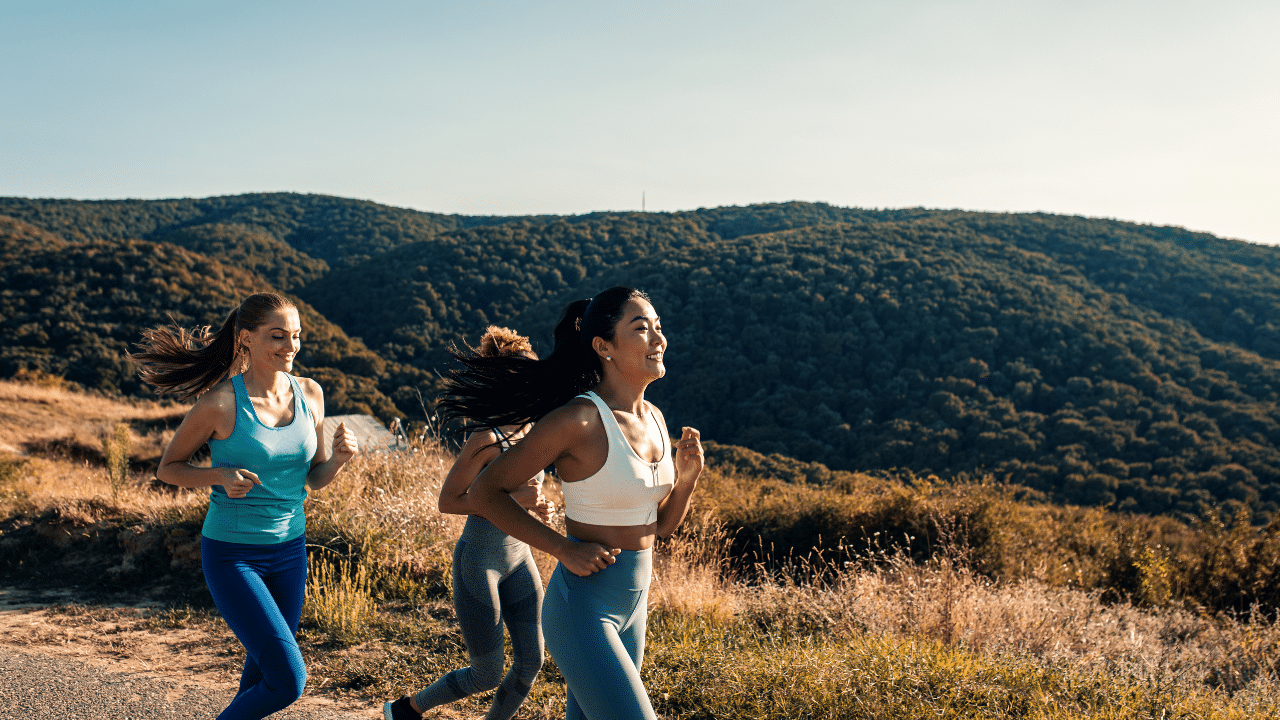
x=322 y=227
x=412 y=302
x=1098 y=361
x=74 y=311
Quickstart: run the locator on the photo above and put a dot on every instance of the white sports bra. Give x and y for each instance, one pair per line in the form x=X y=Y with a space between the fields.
x=627 y=490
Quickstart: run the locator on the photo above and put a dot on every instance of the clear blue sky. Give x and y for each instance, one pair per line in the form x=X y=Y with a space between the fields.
x=1161 y=112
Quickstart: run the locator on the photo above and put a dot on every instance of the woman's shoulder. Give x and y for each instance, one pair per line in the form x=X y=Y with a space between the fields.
x=308 y=385
x=216 y=403
x=482 y=442
x=481 y=437
x=579 y=412
x=657 y=412
x=221 y=395
x=311 y=390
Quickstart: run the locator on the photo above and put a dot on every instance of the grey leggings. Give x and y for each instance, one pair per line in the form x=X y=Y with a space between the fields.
x=494 y=581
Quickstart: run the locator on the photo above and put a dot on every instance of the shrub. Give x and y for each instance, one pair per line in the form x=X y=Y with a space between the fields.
x=115 y=453
x=339 y=598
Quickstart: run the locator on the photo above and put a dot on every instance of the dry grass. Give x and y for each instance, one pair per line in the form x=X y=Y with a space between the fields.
x=691 y=572
x=945 y=602
x=51 y=456
x=82 y=493
x=38 y=417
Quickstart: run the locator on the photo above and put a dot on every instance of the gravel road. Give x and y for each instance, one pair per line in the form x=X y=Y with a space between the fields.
x=39 y=686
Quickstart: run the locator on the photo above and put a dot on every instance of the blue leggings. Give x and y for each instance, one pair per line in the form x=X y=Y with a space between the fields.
x=594 y=628
x=259 y=591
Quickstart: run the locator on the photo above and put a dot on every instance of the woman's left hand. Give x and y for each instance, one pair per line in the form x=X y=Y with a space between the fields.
x=689 y=458
x=544 y=510
x=344 y=443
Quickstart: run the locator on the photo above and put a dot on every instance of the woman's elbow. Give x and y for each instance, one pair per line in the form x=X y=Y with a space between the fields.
x=454 y=505
x=165 y=475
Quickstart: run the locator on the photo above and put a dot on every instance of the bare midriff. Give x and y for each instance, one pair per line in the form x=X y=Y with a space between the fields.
x=626 y=537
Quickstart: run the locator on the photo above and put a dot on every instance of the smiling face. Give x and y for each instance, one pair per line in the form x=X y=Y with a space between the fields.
x=638 y=344
x=273 y=345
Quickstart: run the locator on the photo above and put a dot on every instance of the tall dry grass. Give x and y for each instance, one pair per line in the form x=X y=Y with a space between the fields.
x=86 y=457
x=47 y=416
x=892 y=637
x=81 y=492
x=880 y=633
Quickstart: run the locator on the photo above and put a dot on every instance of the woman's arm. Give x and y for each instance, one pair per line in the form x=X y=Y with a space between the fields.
x=214 y=414
x=328 y=460
x=477 y=452
x=689 y=462
x=552 y=440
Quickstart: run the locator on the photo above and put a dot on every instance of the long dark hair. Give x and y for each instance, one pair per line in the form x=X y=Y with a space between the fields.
x=489 y=392
x=177 y=361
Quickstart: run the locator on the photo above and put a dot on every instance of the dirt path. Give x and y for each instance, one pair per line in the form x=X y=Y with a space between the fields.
x=58 y=660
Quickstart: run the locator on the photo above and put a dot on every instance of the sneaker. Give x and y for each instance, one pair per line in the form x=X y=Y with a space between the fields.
x=400 y=710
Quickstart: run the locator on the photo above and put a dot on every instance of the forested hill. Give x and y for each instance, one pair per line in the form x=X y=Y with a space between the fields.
x=74 y=310
x=1099 y=361
x=324 y=228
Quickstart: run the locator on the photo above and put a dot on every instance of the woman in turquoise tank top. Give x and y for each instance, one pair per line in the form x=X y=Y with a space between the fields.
x=262 y=427
x=622 y=487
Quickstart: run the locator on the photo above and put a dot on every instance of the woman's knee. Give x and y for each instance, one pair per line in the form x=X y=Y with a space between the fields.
x=294 y=683
x=486 y=672
x=283 y=669
x=527 y=668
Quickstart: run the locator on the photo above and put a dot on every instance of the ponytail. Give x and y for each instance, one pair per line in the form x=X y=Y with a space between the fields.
x=186 y=363
x=490 y=392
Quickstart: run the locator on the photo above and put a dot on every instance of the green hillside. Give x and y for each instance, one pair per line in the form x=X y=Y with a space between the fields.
x=249 y=249
x=331 y=229
x=412 y=302
x=75 y=309
x=1096 y=361
x=924 y=345
x=1228 y=291
x=17 y=238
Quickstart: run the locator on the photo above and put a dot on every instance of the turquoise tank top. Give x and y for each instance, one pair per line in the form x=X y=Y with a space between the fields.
x=281 y=457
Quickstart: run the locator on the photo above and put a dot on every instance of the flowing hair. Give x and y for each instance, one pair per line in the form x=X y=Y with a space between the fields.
x=186 y=363
x=493 y=391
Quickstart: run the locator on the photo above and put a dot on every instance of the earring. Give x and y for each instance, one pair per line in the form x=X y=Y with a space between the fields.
x=606 y=357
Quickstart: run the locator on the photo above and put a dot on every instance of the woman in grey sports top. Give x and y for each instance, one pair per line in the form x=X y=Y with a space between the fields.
x=622 y=486
x=495 y=580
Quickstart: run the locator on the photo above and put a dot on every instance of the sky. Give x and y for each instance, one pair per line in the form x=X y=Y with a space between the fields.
x=1162 y=112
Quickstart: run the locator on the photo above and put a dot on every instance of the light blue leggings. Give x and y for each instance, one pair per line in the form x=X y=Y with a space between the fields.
x=594 y=628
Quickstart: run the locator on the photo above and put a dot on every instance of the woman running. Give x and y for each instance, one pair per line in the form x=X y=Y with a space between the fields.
x=495 y=580
x=262 y=426
x=622 y=487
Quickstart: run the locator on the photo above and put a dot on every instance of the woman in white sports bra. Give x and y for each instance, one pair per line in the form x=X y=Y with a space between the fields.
x=625 y=482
